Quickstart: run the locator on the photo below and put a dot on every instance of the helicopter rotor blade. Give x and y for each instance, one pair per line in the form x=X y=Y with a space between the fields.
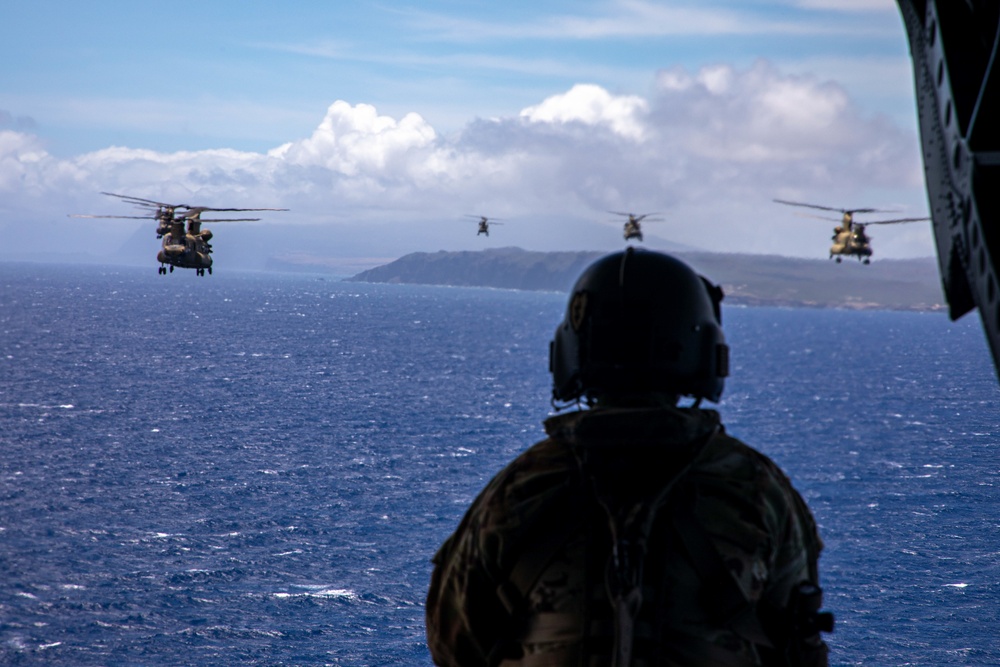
x=141 y=201
x=831 y=208
x=199 y=209
x=637 y=217
x=818 y=217
x=892 y=222
x=151 y=203
x=232 y=220
x=130 y=217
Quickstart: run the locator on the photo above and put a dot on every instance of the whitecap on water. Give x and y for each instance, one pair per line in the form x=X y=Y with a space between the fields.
x=318 y=591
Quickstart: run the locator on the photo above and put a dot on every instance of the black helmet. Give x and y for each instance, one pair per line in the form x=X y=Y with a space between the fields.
x=637 y=322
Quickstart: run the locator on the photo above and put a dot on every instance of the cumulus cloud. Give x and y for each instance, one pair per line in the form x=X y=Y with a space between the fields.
x=593 y=106
x=28 y=171
x=351 y=140
x=807 y=133
x=707 y=149
x=757 y=115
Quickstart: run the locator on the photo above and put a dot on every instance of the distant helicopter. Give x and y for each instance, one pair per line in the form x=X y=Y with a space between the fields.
x=484 y=223
x=633 y=230
x=849 y=237
x=185 y=244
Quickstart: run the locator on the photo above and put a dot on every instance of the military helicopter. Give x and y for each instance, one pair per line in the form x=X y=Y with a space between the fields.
x=633 y=230
x=484 y=223
x=185 y=244
x=849 y=237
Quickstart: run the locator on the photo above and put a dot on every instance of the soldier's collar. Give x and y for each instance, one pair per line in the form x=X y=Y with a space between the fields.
x=614 y=426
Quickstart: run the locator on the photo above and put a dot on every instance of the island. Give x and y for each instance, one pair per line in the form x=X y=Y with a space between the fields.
x=758 y=280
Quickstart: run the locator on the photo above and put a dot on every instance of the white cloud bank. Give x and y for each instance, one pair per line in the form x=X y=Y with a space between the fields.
x=593 y=106
x=707 y=149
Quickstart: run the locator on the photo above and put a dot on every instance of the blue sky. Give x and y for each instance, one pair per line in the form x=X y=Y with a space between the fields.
x=548 y=114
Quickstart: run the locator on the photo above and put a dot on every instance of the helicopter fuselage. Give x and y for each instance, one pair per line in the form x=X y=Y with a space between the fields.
x=850 y=240
x=632 y=230
x=186 y=250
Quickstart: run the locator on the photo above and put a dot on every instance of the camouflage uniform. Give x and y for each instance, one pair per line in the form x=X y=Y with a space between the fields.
x=525 y=579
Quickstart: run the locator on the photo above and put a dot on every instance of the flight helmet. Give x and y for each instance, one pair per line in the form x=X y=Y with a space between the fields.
x=640 y=321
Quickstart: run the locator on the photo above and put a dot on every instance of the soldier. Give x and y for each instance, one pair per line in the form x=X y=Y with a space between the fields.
x=639 y=532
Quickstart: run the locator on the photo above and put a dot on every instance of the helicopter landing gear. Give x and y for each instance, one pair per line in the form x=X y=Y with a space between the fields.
x=209 y=270
x=199 y=272
x=171 y=268
x=866 y=261
x=838 y=260
x=162 y=270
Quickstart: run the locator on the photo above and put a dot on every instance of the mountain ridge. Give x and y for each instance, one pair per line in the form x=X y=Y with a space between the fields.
x=759 y=280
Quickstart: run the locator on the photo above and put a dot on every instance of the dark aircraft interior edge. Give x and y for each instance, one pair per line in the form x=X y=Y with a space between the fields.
x=953 y=46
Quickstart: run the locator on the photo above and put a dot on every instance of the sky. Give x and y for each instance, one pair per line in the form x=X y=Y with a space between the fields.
x=386 y=127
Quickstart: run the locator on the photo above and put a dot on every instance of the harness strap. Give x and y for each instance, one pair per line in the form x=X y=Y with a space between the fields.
x=630 y=527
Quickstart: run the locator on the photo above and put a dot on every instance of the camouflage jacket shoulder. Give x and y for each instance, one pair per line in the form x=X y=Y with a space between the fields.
x=754 y=518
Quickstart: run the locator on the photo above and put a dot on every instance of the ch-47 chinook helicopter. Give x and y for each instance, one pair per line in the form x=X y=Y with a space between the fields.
x=633 y=230
x=185 y=244
x=484 y=223
x=849 y=237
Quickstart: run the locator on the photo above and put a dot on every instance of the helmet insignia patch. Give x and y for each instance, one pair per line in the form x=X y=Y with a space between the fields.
x=578 y=310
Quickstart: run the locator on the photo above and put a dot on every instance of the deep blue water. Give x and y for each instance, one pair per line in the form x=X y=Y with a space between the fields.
x=255 y=469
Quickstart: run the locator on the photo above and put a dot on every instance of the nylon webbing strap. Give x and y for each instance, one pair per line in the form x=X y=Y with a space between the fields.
x=631 y=527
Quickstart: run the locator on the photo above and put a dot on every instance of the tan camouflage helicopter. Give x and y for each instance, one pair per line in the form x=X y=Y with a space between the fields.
x=185 y=244
x=849 y=237
x=633 y=230
x=484 y=223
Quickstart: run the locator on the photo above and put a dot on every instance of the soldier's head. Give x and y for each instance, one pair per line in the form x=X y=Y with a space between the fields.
x=639 y=323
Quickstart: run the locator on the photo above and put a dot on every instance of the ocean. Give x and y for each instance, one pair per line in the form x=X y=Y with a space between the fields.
x=256 y=468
